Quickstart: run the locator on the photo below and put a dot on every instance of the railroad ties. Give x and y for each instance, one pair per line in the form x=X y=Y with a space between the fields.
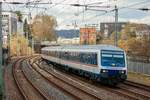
x=37 y=80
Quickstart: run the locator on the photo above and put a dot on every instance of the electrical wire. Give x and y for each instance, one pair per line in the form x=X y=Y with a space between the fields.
x=11 y=9
x=57 y=3
x=131 y=5
x=83 y=12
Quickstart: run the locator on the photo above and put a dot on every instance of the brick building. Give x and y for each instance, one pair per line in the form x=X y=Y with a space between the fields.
x=88 y=35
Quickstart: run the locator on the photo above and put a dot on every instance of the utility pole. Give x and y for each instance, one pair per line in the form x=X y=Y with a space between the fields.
x=18 y=50
x=27 y=42
x=32 y=51
x=29 y=16
x=9 y=46
x=1 y=57
x=27 y=35
x=30 y=32
x=116 y=27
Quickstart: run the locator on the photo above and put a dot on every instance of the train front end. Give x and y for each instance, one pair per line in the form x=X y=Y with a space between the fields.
x=113 y=66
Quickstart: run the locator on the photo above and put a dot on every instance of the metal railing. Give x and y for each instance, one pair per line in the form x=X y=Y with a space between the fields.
x=138 y=66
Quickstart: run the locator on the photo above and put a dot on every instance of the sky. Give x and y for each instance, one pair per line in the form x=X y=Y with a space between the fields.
x=71 y=17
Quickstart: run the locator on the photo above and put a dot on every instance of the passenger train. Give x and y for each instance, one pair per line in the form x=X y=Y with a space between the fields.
x=105 y=63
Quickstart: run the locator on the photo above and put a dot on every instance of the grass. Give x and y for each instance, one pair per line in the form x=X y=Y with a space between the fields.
x=138 y=77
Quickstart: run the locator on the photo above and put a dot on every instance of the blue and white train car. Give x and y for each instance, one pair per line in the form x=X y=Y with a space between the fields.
x=106 y=63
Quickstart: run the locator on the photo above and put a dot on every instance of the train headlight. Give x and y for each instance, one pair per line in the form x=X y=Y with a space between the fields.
x=122 y=71
x=104 y=70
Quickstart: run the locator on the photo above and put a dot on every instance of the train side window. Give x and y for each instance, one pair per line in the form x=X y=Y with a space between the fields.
x=56 y=54
x=71 y=58
x=50 y=53
x=94 y=58
x=59 y=54
x=63 y=55
x=88 y=58
x=76 y=57
x=84 y=57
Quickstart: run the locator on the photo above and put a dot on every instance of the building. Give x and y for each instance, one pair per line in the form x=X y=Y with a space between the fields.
x=20 y=28
x=88 y=35
x=142 y=30
x=9 y=26
x=71 y=33
x=136 y=30
x=108 y=28
x=71 y=41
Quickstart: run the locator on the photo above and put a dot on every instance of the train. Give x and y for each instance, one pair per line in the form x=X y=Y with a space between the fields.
x=104 y=63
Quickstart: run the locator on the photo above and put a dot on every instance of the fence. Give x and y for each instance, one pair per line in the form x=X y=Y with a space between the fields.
x=140 y=67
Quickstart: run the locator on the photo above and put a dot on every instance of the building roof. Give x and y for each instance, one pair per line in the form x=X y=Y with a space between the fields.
x=84 y=47
x=113 y=22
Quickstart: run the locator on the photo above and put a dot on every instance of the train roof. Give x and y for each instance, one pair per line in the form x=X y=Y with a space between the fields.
x=84 y=47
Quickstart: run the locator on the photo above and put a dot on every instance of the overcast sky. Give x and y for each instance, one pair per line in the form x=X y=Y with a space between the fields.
x=67 y=15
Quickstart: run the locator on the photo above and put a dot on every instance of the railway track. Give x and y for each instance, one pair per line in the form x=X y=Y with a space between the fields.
x=66 y=86
x=73 y=85
x=138 y=93
x=17 y=81
x=139 y=90
x=137 y=85
x=121 y=93
x=128 y=90
x=27 y=89
x=88 y=89
x=47 y=88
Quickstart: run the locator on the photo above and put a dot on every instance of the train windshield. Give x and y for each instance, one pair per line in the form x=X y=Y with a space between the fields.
x=112 y=58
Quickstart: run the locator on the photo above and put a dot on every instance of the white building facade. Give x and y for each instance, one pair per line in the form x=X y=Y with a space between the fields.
x=20 y=28
x=72 y=41
x=9 y=26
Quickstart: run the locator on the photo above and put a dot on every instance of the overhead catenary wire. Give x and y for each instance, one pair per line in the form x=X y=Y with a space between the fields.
x=62 y=11
x=110 y=11
x=119 y=8
x=57 y=3
x=85 y=5
x=8 y=6
x=135 y=4
x=33 y=3
x=81 y=12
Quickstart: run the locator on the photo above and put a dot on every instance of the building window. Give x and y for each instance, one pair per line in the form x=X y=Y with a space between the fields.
x=106 y=26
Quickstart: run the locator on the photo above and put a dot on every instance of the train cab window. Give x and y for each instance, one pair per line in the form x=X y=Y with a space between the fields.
x=112 y=58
